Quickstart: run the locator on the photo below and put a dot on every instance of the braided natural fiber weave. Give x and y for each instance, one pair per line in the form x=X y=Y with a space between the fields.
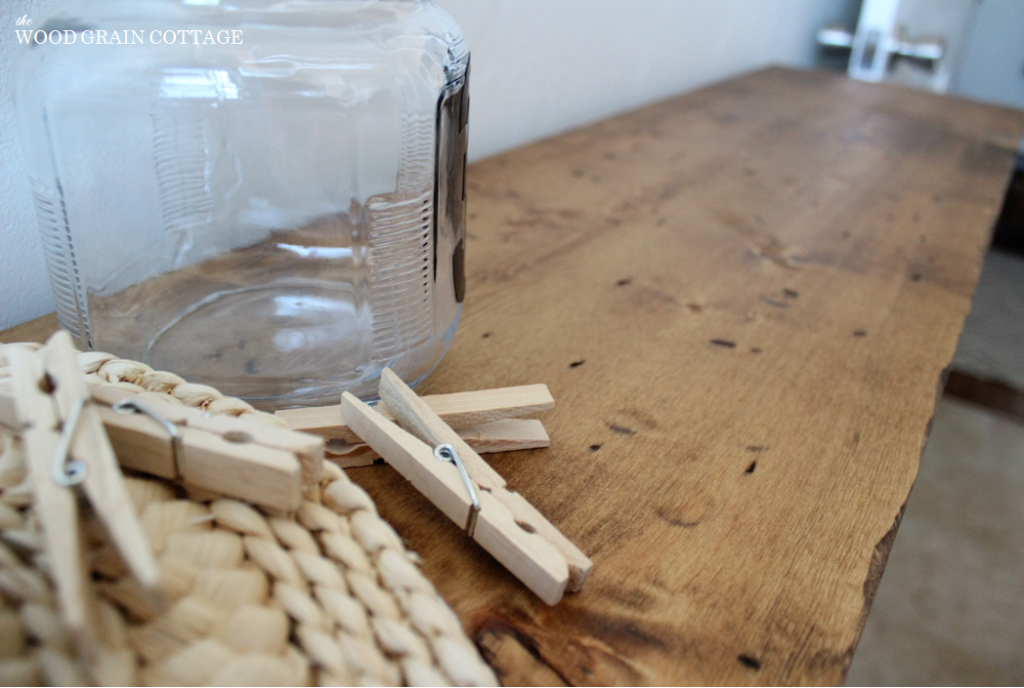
x=327 y=597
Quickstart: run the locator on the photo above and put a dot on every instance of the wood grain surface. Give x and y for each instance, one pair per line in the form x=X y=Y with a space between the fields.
x=743 y=301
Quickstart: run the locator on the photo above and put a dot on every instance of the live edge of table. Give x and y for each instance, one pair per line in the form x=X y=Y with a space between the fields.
x=743 y=301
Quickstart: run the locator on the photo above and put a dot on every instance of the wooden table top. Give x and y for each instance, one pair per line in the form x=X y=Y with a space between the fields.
x=743 y=301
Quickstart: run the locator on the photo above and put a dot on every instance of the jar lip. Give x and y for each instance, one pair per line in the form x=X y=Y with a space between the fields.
x=279 y=5
x=270 y=3
x=284 y=6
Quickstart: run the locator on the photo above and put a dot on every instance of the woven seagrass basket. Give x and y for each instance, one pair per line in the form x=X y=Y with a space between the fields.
x=329 y=596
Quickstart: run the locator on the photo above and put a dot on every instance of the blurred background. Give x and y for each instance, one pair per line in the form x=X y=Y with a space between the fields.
x=950 y=608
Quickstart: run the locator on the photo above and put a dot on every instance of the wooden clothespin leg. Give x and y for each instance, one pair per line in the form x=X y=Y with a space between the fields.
x=103 y=481
x=55 y=505
x=67 y=446
x=419 y=419
x=527 y=555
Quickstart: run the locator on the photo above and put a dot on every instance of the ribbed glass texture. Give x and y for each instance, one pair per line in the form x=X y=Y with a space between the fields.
x=253 y=195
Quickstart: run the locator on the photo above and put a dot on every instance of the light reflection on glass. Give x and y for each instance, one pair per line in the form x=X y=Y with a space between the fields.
x=198 y=83
x=294 y=305
x=317 y=251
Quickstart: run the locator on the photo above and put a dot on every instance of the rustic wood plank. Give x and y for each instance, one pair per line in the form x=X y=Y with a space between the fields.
x=38 y=330
x=743 y=300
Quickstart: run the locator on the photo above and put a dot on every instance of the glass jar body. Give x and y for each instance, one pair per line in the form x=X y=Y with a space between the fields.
x=266 y=197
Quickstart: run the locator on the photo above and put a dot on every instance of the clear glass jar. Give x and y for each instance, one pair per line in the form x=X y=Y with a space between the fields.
x=266 y=196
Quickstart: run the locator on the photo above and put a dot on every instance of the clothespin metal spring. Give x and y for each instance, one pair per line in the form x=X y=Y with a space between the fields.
x=447 y=453
x=65 y=472
x=126 y=406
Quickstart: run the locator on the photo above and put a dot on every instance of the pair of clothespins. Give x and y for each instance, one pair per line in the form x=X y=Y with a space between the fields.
x=470 y=492
x=66 y=446
x=264 y=465
x=487 y=420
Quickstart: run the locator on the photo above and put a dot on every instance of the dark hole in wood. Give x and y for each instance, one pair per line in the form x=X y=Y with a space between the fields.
x=577 y=364
x=860 y=333
x=791 y=293
x=724 y=342
x=485 y=335
x=526 y=526
x=595 y=447
x=751 y=467
x=47 y=384
x=624 y=281
x=620 y=429
x=237 y=437
x=750 y=662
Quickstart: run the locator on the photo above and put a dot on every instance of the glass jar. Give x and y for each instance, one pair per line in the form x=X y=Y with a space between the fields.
x=266 y=196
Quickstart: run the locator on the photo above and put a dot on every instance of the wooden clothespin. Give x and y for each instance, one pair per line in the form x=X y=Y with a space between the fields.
x=488 y=420
x=459 y=410
x=228 y=456
x=263 y=465
x=509 y=434
x=472 y=494
x=66 y=446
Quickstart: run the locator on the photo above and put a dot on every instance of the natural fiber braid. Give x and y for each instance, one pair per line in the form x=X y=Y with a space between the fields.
x=140 y=378
x=20 y=583
x=329 y=596
x=351 y=590
x=35 y=648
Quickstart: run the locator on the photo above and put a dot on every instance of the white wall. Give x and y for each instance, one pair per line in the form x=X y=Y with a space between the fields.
x=544 y=66
x=24 y=286
x=992 y=68
x=539 y=67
